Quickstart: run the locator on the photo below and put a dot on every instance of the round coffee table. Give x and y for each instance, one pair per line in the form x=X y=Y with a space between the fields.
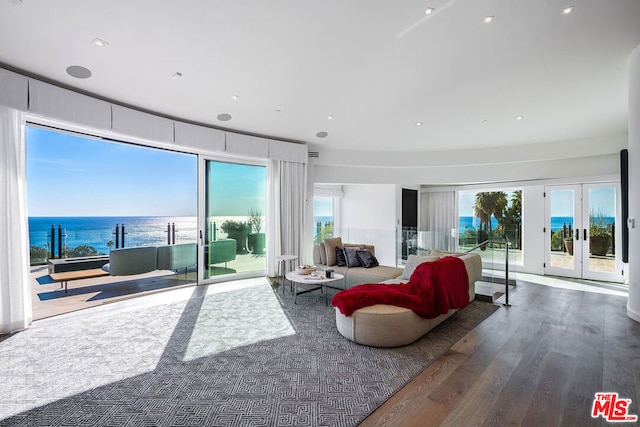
x=320 y=282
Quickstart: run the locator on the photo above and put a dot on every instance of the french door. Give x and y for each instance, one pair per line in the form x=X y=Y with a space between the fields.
x=581 y=236
x=231 y=220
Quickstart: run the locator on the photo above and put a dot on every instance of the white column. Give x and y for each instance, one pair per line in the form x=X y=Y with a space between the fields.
x=633 y=306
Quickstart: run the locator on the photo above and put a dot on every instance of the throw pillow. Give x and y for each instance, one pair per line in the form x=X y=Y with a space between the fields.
x=323 y=254
x=367 y=259
x=341 y=260
x=330 y=246
x=351 y=257
x=413 y=261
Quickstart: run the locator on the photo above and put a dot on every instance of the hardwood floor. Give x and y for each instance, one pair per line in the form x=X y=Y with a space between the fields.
x=536 y=363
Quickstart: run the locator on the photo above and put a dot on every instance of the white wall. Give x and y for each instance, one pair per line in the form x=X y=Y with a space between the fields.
x=368 y=215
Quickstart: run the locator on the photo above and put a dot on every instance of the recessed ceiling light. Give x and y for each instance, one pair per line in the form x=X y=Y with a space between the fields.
x=429 y=11
x=78 y=72
x=484 y=122
x=329 y=117
x=99 y=42
x=519 y=118
x=224 y=117
x=418 y=123
x=176 y=75
x=488 y=19
x=236 y=97
x=567 y=10
x=322 y=134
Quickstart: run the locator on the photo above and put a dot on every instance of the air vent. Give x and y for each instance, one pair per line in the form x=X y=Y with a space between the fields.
x=314 y=154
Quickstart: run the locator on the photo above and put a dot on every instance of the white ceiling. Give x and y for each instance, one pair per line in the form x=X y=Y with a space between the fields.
x=377 y=67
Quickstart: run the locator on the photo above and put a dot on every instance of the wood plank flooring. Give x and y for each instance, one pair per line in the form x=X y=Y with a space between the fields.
x=536 y=363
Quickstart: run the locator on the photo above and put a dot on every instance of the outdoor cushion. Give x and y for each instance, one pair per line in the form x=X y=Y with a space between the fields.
x=174 y=257
x=135 y=260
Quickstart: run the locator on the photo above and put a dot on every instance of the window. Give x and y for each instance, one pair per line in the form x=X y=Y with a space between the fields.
x=490 y=215
x=82 y=190
x=323 y=219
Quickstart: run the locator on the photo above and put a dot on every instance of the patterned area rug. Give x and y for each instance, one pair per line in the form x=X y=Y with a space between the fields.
x=244 y=357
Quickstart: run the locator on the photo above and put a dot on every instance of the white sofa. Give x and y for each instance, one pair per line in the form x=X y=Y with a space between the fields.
x=385 y=325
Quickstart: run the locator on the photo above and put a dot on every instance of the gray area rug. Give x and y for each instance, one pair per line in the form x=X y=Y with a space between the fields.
x=244 y=357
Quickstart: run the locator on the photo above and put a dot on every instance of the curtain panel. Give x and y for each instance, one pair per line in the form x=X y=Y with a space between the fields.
x=437 y=222
x=287 y=197
x=15 y=280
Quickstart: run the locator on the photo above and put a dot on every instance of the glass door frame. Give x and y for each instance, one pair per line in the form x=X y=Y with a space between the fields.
x=587 y=273
x=581 y=250
x=202 y=199
x=576 y=270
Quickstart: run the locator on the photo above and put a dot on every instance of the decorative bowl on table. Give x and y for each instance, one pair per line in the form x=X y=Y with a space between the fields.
x=305 y=269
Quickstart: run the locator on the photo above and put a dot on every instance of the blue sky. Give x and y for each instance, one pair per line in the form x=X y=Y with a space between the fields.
x=323 y=206
x=70 y=175
x=467 y=200
x=599 y=199
x=561 y=202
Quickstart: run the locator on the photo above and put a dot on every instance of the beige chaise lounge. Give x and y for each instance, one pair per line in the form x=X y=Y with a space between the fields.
x=384 y=325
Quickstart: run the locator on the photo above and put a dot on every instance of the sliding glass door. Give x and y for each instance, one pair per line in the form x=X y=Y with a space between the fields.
x=232 y=220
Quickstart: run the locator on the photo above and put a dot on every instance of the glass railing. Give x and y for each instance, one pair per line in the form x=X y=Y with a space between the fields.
x=496 y=257
x=72 y=237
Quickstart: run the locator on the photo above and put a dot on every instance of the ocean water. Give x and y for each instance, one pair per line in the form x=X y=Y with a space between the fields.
x=152 y=230
x=557 y=222
x=472 y=222
x=98 y=231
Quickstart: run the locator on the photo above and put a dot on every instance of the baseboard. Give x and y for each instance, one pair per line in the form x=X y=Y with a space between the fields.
x=632 y=314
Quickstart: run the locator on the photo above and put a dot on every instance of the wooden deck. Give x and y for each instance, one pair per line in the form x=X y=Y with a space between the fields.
x=50 y=300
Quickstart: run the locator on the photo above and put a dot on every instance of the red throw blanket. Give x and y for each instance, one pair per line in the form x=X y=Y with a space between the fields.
x=433 y=288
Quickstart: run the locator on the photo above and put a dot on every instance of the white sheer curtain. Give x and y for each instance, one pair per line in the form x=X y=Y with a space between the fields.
x=437 y=222
x=15 y=284
x=286 y=197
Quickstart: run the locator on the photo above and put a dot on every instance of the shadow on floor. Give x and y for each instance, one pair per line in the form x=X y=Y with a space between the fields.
x=117 y=289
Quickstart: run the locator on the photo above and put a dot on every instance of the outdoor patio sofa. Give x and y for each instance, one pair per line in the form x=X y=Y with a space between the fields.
x=222 y=250
x=144 y=259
